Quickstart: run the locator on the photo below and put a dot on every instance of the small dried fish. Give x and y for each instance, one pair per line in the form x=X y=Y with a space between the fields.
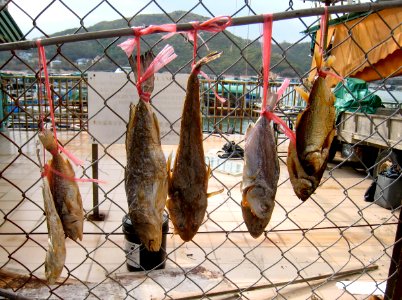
x=188 y=182
x=56 y=253
x=315 y=130
x=260 y=176
x=64 y=189
x=146 y=172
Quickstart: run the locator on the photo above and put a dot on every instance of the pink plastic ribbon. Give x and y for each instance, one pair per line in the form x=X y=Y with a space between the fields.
x=266 y=58
x=43 y=65
x=212 y=25
x=283 y=88
x=288 y=132
x=163 y=58
x=129 y=45
x=323 y=26
x=203 y=74
x=48 y=169
x=216 y=24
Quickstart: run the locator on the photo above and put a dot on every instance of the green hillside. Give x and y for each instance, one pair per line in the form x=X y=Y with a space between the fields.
x=240 y=57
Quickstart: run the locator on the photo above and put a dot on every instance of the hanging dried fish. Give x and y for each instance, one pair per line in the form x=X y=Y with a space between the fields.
x=315 y=130
x=260 y=175
x=146 y=174
x=64 y=189
x=56 y=253
x=188 y=182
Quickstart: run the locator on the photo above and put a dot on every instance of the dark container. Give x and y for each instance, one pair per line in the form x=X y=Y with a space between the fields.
x=388 y=193
x=138 y=257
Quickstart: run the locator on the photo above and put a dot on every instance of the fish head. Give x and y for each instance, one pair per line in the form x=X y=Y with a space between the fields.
x=148 y=227
x=259 y=200
x=150 y=235
x=73 y=226
x=304 y=188
x=255 y=226
x=186 y=218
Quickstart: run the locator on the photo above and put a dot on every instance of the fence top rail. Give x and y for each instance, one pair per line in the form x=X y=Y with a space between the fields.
x=362 y=7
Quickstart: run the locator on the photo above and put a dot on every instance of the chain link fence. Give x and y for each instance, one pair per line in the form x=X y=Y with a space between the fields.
x=319 y=249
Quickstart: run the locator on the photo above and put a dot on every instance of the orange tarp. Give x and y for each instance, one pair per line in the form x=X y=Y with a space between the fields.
x=368 y=48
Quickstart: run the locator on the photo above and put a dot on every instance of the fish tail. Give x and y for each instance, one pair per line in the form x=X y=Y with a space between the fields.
x=48 y=141
x=318 y=59
x=211 y=194
x=168 y=167
x=330 y=61
x=145 y=61
x=206 y=59
x=302 y=93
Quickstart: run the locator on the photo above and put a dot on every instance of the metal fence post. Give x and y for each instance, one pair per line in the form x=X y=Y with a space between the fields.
x=96 y=215
x=394 y=282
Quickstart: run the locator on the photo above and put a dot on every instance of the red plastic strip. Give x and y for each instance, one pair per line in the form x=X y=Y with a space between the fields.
x=266 y=58
x=129 y=45
x=42 y=59
x=282 y=88
x=220 y=98
x=288 y=132
x=163 y=58
x=214 y=25
x=48 y=169
x=323 y=27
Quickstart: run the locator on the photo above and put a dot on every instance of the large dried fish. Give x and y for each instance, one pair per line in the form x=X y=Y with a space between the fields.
x=146 y=174
x=56 y=253
x=64 y=189
x=315 y=130
x=188 y=182
x=260 y=176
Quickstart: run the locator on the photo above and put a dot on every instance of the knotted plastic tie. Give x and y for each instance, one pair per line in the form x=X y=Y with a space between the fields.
x=43 y=65
x=266 y=58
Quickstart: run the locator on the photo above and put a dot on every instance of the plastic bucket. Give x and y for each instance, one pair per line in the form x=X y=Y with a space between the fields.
x=138 y=258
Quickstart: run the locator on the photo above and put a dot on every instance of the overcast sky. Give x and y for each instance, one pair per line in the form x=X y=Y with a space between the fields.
x=58 y=17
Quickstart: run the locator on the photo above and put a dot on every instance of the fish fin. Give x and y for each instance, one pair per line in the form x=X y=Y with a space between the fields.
x=330 y=61
x=298 y=118
x=70 y=168
x=303 y=94
x=211 y=194
x=318 y=59
x=207 y=59
x=248 y=130
x=168 y=167
x=146 y=60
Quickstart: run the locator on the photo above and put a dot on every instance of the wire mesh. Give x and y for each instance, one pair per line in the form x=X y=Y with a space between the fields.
x=307 y=247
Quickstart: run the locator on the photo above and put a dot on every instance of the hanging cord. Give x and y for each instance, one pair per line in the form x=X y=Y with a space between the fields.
x=48 y=95
x=267 y=109
x=163 y=58
x=323 y=47
x=42 y=62
x=211 y=25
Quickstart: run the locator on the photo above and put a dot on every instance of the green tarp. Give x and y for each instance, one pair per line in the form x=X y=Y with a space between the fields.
x=353 y=95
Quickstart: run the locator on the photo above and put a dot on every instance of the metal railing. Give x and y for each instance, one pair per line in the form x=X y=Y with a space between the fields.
x=22 y=107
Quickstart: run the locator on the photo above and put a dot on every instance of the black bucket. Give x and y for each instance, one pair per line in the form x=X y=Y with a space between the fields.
x=138 y=257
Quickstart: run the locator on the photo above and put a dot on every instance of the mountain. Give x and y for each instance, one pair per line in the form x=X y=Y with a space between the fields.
x=240 y=57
